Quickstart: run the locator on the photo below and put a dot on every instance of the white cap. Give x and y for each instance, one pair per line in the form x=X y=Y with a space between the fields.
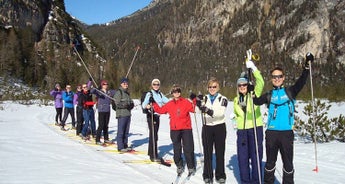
x=155 y=80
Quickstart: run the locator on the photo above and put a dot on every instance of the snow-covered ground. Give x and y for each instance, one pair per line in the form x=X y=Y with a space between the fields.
x=32 y=150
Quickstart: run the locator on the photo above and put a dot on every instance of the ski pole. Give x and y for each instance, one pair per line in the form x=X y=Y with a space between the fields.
x=130 y=66
x=91 y=76
x=197 y=128
x=249 y=53
x=310 y=58
x=81 y=59
x=254 y=124
x=153 y=133
x=204 y=135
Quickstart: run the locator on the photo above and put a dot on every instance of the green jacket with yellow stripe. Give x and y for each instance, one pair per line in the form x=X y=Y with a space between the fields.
x=247 y=112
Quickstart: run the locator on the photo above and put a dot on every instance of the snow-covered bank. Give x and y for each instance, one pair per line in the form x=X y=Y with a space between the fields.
x=33 y=151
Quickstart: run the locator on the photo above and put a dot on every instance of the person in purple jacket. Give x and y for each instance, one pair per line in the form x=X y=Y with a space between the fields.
x=103 y=104
x=57 y=94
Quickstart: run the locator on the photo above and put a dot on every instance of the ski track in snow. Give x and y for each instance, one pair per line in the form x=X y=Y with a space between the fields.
x=34 y=151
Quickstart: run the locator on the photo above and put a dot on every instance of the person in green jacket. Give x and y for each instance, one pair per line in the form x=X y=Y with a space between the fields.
x=124 y=105
x=249 y=150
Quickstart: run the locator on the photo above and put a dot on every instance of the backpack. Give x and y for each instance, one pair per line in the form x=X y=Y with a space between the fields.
x=113 y=105
x=269 y=95
x=291 y=100
x=143 y=95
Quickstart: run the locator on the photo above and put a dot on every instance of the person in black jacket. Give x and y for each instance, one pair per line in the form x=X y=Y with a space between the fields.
x=279 y=134
x=86 y=100
x=79 y=110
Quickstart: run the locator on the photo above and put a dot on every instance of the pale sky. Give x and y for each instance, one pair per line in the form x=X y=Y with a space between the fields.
x=103 y=11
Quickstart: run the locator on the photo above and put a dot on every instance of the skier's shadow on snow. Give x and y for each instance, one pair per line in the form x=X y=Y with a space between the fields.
x=233 y=166
x=164 y=150
x=139 y=142
x=111 y=132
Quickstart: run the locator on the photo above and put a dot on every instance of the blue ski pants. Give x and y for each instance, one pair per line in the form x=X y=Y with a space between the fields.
x=247 y=155
x=123 y=124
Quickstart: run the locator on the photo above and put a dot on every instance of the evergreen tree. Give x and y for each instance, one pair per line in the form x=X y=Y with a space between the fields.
x=325 y=129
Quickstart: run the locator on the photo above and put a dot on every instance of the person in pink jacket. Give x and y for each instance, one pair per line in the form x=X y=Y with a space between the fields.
x=179 y=110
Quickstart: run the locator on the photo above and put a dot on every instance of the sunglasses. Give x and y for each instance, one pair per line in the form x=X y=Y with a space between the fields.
x=105 y=84
x=242 y=85
x=214 y=87
x=277 y=76
x=84 y=87
x=155 y=84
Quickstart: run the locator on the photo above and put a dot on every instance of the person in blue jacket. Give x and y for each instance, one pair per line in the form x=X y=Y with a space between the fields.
x=67 y=97
x=153 y=95
x=279 y=134
x=103 y=104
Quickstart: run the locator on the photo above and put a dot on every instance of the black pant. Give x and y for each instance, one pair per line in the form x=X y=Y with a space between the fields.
x=58 y=115
x=214 y=136
x=103 y=123
x=153 y=135
x=281 y=141
x=185 y=138
x=67 y=111
x=80 y=119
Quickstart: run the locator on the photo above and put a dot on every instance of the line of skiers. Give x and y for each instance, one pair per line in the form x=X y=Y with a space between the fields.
x=279 y=134
x=84 y=102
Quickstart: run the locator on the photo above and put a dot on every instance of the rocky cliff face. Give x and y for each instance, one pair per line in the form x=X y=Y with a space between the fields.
x=24 y=13
x=42 y=36
x=180 y=40
x=310 y=23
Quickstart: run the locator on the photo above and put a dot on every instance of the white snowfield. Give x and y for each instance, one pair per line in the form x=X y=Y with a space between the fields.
x=33 y=151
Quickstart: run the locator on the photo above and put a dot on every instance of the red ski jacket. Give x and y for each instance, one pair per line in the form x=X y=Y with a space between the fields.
x=178 y=111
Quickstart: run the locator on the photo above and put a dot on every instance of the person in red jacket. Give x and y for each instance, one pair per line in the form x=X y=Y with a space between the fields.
x=180 y=129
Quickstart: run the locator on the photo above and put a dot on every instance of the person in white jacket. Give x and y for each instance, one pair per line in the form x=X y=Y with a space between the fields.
x=213 y=106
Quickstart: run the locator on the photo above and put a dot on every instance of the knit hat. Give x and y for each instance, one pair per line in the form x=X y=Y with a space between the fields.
x=57 y=85
x=103 y=82
x=242 y=80
x=155 y=81
x=124 y=80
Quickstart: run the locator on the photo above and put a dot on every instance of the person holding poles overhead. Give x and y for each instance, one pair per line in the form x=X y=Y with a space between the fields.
x=249 y=124
x=279 y=133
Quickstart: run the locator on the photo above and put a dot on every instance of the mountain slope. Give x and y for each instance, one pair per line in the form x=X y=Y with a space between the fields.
x=190 y=41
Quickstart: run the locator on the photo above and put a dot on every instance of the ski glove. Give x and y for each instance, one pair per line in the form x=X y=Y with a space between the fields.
x=198 y=100
x=192 y=96
x=250 y=65
x=309 y=57
x=198 y=103
x=206 y=110
x=250 y=87
x=131 y=106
